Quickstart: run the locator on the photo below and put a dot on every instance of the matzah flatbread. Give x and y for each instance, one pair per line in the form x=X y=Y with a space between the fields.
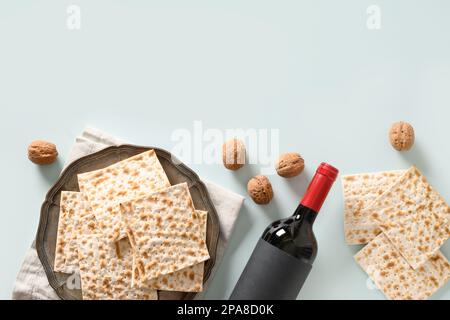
x=105 y=270
x=394 y=276
x=75 y=219
x=106 y=188
x=413 y=216
x=356 y=233
x=165 y=232
x=359 y=191
x=189 y=279
x=418 y=237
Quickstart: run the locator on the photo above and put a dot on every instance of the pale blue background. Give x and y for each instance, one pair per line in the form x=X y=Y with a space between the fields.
x=141 y=69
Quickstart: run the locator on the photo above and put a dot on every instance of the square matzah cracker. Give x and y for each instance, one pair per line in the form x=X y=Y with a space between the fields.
x=124 y=180
x=410 y=192
x=189 y=279
x=417 y=237
x=416 y=213
x=165 y=232
x=395 y=277
x=72 y=209
x=359 y=191
x=105 y=270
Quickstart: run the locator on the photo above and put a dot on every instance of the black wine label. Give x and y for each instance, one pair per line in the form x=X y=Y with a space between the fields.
x=271 y=274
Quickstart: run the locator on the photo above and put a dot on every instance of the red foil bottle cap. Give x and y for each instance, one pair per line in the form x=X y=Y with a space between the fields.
x=320 y=186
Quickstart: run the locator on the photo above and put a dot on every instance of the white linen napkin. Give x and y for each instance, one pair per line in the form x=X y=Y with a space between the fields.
x=32 y=283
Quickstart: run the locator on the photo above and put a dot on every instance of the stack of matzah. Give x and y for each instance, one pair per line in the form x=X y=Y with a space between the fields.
x=129 y=233
x=405 y=222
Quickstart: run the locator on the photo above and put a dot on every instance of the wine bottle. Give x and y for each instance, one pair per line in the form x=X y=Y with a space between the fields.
x=284 y=255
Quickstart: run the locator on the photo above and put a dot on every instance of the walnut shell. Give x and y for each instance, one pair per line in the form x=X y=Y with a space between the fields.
x=290 y=164
x=233 y=154
x=260 y=189
x=401 y=136
x=42 y=152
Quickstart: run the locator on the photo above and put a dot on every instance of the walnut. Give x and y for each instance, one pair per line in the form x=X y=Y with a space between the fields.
x=401 y=136
x=233 y=154
x=260 y=189
x=290 y=164
x=42 y=152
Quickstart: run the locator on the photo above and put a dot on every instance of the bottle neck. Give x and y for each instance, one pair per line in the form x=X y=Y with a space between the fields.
x=319 y=187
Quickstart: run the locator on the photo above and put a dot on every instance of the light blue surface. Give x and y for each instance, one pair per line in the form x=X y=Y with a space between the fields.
x=142 y=69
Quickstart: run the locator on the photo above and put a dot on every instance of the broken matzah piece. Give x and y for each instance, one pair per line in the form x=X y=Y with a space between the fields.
x=394 y=276
x=105 y=270
x=189 y=279
x=413 y=216
x=165 y=231
x=131 y=178
x=75 y=219
x=359 y=191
